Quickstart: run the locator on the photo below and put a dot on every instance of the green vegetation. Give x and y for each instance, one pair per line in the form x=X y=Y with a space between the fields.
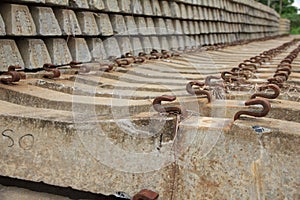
x=286 y=10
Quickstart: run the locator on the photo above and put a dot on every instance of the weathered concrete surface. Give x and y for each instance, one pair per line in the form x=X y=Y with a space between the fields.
x=104 y=24
x=58 y=50
x=79 y=50
x=68 y=22
x=87 y=23
x=96 y=48
x=98 y=131
x=2 y=26
x=58 y=2
x=10 y=54
x=45 y=21
x=18 y=20
x=38 y=55
x=8 y=193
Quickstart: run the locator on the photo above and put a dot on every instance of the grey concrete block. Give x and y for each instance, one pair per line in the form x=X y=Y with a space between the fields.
x=191 y=27
x=79 y=50
x=18 y=20
x=124 y=45
x=141 y=25
x=131 y=26
x=111 y=5
x=87 y=23
x=150 y=26
x=136 y=7
x=58 y=51
x=155 y=43
x=156 y=8
x=196 y=13
x=175 y=9
x=104 y=24
x=10 y=54
x=173 y=42
x=96 y=4
x=58 y=2
x=181 y=42
x=2 y=26
x=187 y=41
x=112 y=47
x=96 y=48
x=146 y=43
x=67 y=21
x=160 y=26
x=197 y=27
x=34 y=53
x=170 y=26
x=147 y=7
x=183 y=11
x=164 y=44
x=118 y=24
x=136 y=45
x=177 y=27
x=185 y=27
x=79 y=3
x=189 y=10
x=45 y=21
x=165 y=8
x=125 y=6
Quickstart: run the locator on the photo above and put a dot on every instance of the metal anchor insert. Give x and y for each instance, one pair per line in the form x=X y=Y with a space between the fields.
x=274 y=87
x=161 y=109
x=260 y=101
x=146 y=195
x=190 y=90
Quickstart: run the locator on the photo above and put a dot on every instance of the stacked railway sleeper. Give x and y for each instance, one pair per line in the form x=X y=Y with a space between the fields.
x=61 y=31
x=199 y=123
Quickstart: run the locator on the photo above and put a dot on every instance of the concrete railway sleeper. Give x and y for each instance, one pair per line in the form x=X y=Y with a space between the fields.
x=216 y=141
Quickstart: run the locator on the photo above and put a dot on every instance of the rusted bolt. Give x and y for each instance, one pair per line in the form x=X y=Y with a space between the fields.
x=166 y=54
x=146 y=195
x=285 y=65
x=55 y=73
x=15 y=77
x=284 y=69
x=72 y=63
x=260 y=101
x=155 y=54
x=274 y=87
x=123 y=61
x=190 y=90
x=14 y=67
x=276 y=80
x=159 y=108
x=288 y=61
x=243 y=65
x=282 y=74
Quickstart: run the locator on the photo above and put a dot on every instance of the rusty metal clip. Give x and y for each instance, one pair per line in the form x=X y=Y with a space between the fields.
x=190 y=90
x=159 y=108
x=123 y=61
x=14 y=67
x=260 y=101
x=274 y=87
x=283 y=75
x=146 y=195
x=15 y=77
x=55 y=73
